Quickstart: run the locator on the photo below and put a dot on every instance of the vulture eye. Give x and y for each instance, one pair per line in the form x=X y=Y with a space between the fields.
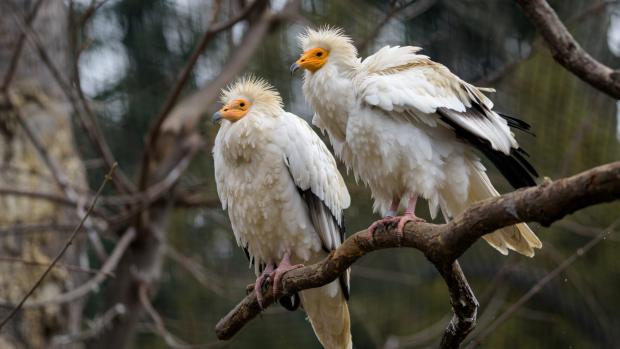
x=319 y=54
x=242 y=104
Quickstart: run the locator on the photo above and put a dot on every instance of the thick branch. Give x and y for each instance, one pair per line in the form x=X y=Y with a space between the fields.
x=442 y=244
x=567 y=51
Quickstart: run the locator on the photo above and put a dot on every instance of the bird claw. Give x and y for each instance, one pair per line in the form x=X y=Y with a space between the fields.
x=381 y=222
x=399 y=220
x=408 y=217
x=258 y=288
x=274 y=276
x=277 y=275
x=260 y=283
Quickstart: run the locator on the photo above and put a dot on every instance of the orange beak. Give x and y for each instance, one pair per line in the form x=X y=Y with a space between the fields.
x=232 y=111
x=311 y=60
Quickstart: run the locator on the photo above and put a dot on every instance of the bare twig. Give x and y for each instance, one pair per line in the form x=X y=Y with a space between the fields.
x=184 y=75
x=61 y=252
x=120 y=180
x=160 y=328
x=442 y=244
x=211 y=282
x=96 y=326
x=534 y=290
x=41 y=264
x=31 y=228
x=418 y=7
x=536 y=46
x=91 y=285
x=566 y=51
x=90 y=11
x=187 y=112
x=19 y=46
x=57 y=199
x=60 y=178
x=87 y=119
x=39 y=175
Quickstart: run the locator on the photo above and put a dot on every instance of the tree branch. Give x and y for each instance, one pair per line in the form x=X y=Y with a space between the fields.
x=443 y=243
x=566 y=51
x=19 y=46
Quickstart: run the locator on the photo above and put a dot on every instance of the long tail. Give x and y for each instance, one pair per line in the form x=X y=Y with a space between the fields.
x=518 y=237
x=329 y=315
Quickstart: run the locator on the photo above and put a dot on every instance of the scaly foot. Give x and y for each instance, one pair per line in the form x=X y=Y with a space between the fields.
x=402 y=220
x=284 y=267
x=381 y=222
x=399 y=220
x=260 y=281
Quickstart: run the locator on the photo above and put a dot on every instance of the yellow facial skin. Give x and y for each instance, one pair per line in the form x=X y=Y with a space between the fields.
x=235 y=110
x=313 y=59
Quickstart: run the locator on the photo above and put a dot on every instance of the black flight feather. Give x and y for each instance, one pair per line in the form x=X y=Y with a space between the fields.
x=514 y=167
x=316 y=207
x=517 y=123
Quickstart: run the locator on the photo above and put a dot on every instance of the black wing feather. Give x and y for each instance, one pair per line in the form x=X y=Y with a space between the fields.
x=517 y=123
x=315 y=204
x=517 y=170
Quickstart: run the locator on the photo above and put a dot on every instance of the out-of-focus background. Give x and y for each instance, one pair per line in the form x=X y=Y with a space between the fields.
x=129 y=55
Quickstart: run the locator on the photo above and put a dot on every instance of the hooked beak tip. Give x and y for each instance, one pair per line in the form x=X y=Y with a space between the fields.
x=294 y=68
x=216 y=118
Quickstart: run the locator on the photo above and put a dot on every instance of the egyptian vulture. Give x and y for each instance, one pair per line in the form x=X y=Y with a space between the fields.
x=409 y=128
x=285 y=198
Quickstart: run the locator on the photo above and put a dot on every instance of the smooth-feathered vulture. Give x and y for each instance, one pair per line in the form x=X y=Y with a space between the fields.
x=408 y=127
x=285 y=198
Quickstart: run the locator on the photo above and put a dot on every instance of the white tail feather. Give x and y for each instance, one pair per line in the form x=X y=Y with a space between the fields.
x=518 y=237
x=329 y=315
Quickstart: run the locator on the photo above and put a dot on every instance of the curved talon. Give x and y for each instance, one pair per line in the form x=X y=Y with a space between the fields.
x=258 y=287
x=382 y=221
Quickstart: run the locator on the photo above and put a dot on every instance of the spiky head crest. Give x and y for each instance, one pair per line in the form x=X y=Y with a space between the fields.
x=332 y=39
x=263 y=96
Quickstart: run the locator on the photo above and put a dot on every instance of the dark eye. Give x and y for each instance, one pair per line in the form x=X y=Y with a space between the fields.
x=319 y=54
x=242 y=104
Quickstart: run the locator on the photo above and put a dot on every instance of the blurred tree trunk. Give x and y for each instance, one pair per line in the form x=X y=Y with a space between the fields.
x=36 y=95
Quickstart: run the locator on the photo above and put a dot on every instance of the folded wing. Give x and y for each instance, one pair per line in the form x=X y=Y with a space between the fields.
x=315 y=173
x=412 y=87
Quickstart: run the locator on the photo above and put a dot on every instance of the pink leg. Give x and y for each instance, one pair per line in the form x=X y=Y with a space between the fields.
x=409 y=216
x=284 y=267
x=389 y=217
x=258 y=285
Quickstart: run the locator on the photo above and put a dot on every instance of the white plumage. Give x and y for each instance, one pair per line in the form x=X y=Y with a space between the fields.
x=407 y=127
x=284 y=196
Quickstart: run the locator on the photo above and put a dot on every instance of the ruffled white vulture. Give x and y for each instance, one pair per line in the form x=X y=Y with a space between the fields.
x=285 y=198
x=408 y=127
